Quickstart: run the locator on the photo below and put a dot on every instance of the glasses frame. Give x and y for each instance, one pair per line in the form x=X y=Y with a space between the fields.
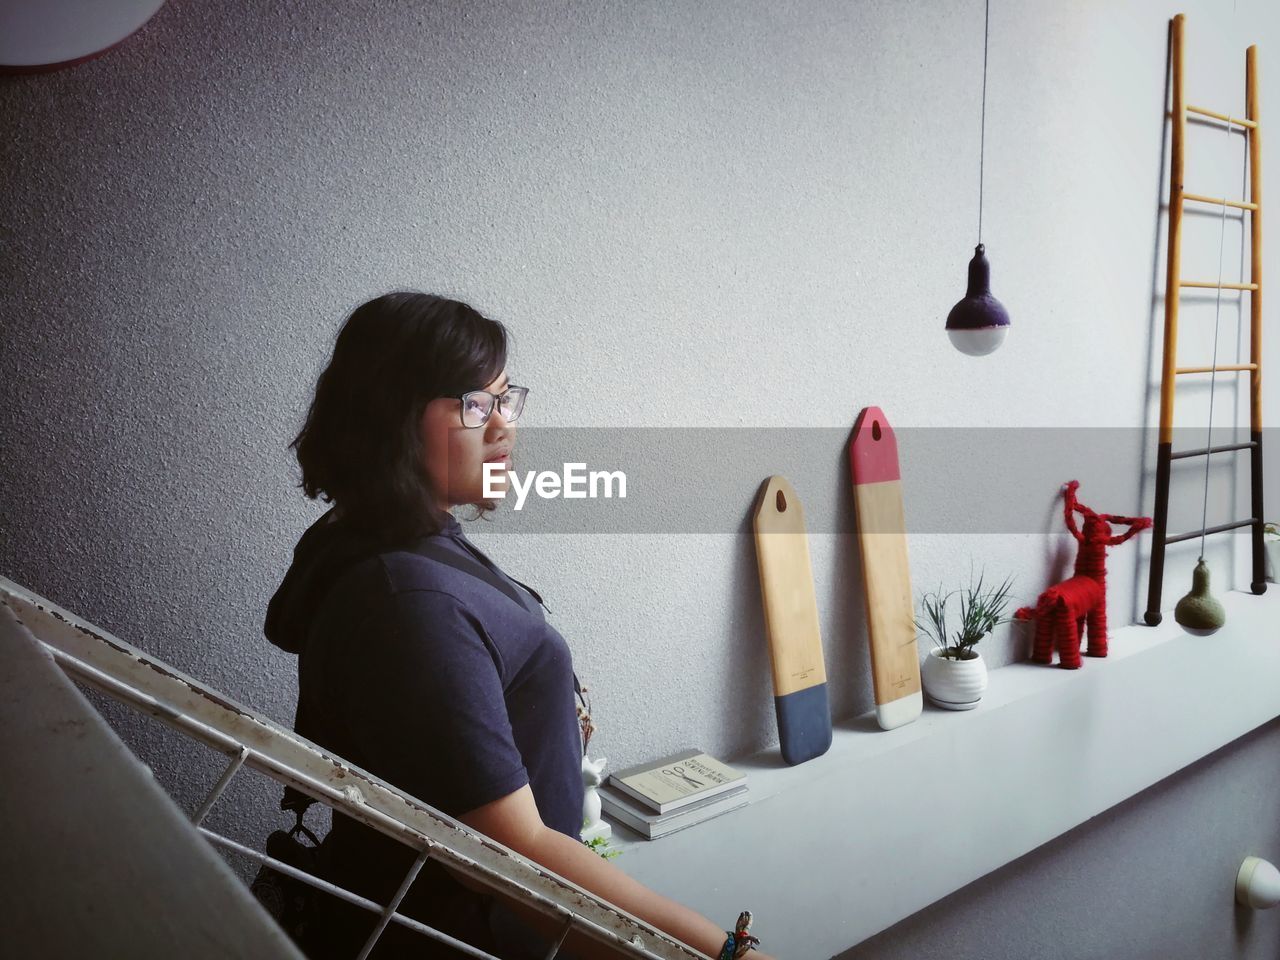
x=494 y=400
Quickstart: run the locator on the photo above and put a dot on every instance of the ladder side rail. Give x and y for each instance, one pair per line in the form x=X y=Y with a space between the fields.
x=1173 y=276
x=1252 y=112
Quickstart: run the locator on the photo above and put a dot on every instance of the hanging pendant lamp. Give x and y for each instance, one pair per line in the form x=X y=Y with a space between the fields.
x=978 y=324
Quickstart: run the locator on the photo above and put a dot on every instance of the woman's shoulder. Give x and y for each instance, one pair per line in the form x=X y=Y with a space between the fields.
x=379 y=578
x=421 y=566
x=445 y=565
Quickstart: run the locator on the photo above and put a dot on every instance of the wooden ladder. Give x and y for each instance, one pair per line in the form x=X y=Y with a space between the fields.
x=1173 y=287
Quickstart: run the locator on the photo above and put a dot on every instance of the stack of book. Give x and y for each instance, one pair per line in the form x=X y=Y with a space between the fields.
x=667 y=795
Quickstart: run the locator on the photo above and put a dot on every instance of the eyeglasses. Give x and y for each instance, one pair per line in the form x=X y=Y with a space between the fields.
x=478 y=405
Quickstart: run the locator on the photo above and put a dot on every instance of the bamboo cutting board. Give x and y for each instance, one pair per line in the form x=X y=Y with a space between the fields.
x=791 y=622
x=886 y=576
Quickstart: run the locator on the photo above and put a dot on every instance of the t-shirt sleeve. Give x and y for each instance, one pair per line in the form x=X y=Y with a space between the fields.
x=425 y=704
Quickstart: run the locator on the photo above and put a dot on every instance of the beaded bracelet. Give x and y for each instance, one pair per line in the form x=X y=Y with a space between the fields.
x=737 y=944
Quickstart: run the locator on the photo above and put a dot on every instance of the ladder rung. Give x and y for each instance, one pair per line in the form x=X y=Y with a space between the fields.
x=1210 y=285
x=1251 y=124
x=1218 y=529
x=1233 y=366
x=1239 y=204
x=1183 y=454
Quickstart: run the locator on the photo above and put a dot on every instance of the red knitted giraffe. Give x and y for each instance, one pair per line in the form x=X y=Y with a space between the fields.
x=1065 y=609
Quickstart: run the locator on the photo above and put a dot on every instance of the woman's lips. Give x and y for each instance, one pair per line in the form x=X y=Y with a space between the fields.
x=502 y=459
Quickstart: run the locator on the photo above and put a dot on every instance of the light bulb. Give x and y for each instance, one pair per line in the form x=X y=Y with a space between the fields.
x=978 y=324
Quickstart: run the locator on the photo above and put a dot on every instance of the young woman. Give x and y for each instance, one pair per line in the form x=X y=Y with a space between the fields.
x=449 y=685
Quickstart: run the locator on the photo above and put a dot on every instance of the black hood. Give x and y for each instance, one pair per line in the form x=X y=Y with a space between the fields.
x=322 y=554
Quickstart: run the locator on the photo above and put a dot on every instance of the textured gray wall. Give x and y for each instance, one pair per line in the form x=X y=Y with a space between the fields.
x=666 y=202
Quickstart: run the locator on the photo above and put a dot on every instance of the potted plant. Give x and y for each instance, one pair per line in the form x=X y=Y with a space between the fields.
x=954 y=674
x=1272 y=530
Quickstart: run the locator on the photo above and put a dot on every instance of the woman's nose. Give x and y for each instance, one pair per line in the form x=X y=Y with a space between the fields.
x=498 y=424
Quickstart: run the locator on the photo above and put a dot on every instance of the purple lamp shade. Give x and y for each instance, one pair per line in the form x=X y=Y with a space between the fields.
x=977 y=325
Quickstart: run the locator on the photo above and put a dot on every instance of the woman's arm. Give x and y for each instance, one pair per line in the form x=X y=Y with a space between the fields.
x=514 y=822
x=424 y=700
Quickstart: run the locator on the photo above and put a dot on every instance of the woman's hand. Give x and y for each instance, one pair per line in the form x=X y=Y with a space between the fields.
x=514 y=822
x=755 y=954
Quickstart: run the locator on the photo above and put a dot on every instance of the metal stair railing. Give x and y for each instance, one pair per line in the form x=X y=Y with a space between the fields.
x=131 y=676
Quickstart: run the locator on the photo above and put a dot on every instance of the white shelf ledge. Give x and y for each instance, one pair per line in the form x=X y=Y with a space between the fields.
x=835 y=850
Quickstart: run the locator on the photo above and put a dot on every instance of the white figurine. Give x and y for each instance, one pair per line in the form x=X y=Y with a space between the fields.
x=592 y=777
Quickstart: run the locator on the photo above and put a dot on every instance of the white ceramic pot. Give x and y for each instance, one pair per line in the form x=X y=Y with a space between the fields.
x=1273 y=560
x=954 y=684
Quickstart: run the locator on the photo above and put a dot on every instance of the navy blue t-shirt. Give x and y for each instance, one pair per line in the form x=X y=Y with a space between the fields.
x=441 y=684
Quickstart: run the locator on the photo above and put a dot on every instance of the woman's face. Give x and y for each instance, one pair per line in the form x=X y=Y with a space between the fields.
x=455 y=455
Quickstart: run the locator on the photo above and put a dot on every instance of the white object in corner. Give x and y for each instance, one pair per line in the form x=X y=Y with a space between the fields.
x=45 y=34
x=1258 y=884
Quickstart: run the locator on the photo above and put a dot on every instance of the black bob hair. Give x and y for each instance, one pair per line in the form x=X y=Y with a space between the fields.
x=360 y=446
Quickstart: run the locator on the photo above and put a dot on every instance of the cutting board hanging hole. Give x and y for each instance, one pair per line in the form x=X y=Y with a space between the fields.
x=875 y=429
x=782 y=502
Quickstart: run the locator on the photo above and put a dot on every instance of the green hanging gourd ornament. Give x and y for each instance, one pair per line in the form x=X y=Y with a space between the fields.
x=1199 y=611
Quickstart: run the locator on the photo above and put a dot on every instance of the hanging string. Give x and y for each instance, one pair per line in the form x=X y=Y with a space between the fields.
x=982 y=149
x=1213 y=375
